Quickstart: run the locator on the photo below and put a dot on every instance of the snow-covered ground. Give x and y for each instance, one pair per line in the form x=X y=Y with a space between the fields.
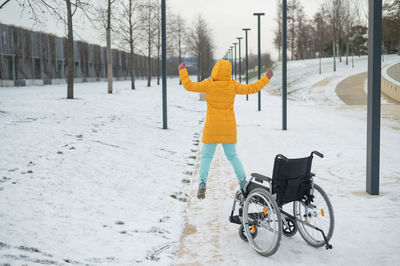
x=97 y=181
x=365 y=226
x=90 y=180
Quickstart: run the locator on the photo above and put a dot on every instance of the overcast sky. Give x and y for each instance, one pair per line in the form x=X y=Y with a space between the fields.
x=225 y=17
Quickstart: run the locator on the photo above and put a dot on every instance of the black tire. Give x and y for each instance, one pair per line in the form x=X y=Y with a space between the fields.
x=311 y=236
x=289 y=230
x=261 y=210
x=242 y=233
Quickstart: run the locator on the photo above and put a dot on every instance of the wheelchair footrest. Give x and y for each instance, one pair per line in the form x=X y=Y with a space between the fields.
x=235 y=219
x=327 y=245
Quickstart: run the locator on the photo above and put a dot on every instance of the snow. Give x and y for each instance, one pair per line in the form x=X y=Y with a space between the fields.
x=89 y=181
x=96 y=161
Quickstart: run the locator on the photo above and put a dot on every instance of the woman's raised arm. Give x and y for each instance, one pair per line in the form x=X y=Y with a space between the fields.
x=188 y=84
x=256 y=86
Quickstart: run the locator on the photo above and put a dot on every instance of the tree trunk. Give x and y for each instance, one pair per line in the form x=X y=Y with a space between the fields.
x=149 y=67
x=347 y=52
x=198 y=67
x=108 y=53
x=320 y=63
x=334 y=55
x=149 y=51
x=131 y=46
x=158 y=56
x=70 y=53
x=180 y=54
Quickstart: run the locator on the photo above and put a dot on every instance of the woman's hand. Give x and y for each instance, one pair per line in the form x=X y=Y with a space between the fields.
x=182 y=66
x=269 y=73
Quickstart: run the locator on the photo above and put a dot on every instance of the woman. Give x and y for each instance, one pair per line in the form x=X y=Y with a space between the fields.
x=220 y=126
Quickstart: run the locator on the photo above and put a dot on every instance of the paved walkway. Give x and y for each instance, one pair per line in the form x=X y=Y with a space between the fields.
x=207 y=220
x=352 y=92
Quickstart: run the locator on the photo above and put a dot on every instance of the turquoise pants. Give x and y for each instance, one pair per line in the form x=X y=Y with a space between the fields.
x=207 y=154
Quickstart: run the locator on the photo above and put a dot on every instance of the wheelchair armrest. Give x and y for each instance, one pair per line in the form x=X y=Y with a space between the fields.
x=261 y=177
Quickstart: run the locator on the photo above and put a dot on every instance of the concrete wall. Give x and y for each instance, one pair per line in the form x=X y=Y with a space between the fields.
x=391 y=90
x=390 y=82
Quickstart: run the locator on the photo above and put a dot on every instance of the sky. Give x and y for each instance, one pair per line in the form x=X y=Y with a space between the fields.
x=226 y=18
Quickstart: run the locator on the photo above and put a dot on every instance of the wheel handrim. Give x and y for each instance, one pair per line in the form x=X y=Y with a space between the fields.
x=260 y=212
x=319 y=216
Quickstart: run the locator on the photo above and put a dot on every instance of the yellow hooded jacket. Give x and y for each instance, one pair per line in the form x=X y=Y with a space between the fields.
x=220 y=90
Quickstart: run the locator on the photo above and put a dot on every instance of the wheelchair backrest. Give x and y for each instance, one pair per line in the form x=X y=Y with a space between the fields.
x=291 y=179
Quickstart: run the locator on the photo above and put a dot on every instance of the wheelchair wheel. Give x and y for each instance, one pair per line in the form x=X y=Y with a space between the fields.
x=242 y=233
x=261 y=211
x=291 y=228
x=319 y=214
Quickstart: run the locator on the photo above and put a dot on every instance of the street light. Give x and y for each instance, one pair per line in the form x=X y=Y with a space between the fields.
x=164 y=63
x=284 y=65
x=235 y=43
x=240 y=61
x=259 y=54
x=374 y=96
x=247 y=60
x=231 y=49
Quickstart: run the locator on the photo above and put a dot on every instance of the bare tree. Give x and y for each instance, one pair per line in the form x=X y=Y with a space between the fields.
x=334 y=13
x=302 y=32
x=291 y=17
x=200 y=43
x=102 y=21
x=149 y=28
x=180 y=33
x=128 y=31
x=391 y=25
x=176 y=34
x=278 y=31
x=63 y=11
x=350 y=19
x=108 y=49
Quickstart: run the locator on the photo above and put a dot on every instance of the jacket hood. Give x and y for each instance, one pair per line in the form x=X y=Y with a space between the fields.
x=222 y=71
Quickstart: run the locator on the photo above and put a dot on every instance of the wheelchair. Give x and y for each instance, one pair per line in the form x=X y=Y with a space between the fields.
x=260 y=207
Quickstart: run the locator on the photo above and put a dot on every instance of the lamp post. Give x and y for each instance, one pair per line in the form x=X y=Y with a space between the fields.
x=259 y=54
x=284 y=65
x=231 y=49
x=374 y=96
x=240 y=61
x=235 y=43
x=247 y=60
x=164 y=63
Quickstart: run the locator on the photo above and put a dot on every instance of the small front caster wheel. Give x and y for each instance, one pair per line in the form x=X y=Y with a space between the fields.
x=242 y=233
x=291 y=228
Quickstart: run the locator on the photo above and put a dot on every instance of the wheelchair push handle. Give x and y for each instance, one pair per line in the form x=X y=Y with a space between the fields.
x=318 y=154
x=282 y=157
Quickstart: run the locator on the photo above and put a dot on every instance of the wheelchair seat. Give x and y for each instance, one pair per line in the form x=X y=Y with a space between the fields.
x=291 y=179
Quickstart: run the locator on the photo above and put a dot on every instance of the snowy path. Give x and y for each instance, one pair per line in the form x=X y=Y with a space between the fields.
x=363 y=233
x=207 y=220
